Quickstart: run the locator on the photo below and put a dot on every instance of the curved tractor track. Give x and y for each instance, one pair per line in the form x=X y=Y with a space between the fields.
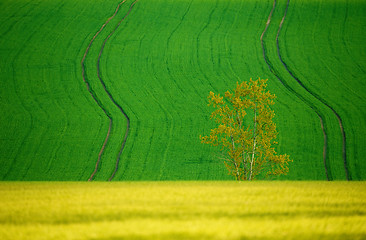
x=327 y=170
x=95 y=97
x=344 y=153
x=110 y=95
x=325 y=146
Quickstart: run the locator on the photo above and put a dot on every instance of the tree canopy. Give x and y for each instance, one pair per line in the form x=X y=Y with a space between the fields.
x=245 y=131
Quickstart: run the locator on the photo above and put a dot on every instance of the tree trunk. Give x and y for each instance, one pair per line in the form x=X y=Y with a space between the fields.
x=254 y=142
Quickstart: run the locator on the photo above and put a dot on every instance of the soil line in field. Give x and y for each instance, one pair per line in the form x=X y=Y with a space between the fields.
x=110 y=95
x=325 y=146
x=94 y=96
x=344 y=154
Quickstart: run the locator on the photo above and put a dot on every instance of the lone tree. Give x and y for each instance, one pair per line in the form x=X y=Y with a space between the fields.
x=246 y=132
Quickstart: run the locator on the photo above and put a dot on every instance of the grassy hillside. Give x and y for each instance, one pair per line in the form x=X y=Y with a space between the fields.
x=158 y=60
x=183 y=210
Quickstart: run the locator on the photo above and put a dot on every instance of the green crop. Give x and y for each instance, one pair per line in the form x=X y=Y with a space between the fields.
x=159 y=65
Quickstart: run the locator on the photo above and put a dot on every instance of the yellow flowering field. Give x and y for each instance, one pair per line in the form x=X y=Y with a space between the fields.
x=183 y=210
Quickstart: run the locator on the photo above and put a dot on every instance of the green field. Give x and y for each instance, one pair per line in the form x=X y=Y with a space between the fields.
x=117 y=90
x=183 y=210
x=158 y=61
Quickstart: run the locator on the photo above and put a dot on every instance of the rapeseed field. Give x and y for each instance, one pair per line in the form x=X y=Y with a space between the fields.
x=183 y=210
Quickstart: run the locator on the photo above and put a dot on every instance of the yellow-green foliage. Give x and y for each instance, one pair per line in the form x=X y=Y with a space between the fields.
x=183 y=210
x=247 y=147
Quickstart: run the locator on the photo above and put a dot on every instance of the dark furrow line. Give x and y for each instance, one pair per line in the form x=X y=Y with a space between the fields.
x=168 y=43
x=211 y=43
x=206 y=78
x=110 y=95
x=344 y=35
x=62 y=70
x=94 y=96
x=60 y=106
x=325 y=146
x=344 y=154
x=166 y=58
x=16 y=88
x=12 y=16
x=137 y=127
x=46 y=127
x=28 y=131
x=226 y=44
